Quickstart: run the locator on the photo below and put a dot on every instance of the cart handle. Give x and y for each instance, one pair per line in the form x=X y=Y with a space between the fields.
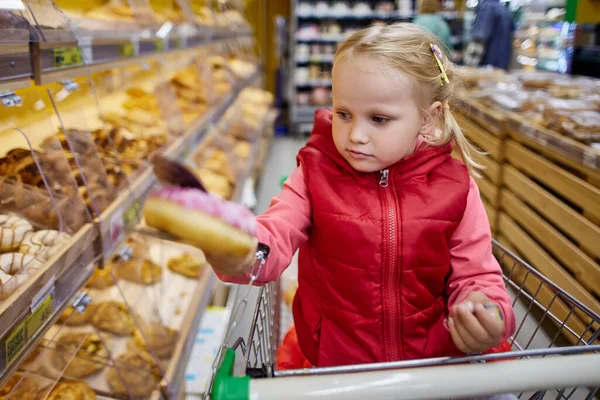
x=229 y=387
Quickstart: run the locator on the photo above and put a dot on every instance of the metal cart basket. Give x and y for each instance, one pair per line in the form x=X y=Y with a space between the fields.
x=555 y=354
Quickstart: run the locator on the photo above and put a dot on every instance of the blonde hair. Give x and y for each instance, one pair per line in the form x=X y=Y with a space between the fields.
x=430 y=6
x=406 y=47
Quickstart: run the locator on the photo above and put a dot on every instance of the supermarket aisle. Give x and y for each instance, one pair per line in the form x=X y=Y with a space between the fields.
x=281 y=162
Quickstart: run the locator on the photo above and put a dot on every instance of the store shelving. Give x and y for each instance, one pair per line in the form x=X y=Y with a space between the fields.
x=319 y=28
x=62 y=60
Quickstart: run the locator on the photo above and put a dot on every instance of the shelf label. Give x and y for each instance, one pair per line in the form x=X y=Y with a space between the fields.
x=27 y=329
x=67 y=57
x=159 y=45
x=132 y=215
x=127 y=50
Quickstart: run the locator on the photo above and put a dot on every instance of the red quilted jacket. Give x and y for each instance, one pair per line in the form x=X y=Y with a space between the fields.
x=384 y=300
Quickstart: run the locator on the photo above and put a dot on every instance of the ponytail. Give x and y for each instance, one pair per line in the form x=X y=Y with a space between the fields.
x=451 y=131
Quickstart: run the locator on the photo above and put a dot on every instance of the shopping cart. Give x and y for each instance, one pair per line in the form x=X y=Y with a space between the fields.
x=555 y=354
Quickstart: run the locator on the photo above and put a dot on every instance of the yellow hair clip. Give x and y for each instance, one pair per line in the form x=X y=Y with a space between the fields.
x=438 y=58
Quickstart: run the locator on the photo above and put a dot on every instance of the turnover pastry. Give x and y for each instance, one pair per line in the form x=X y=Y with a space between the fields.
x=101 y=278
x=113 y=317
x=12 y=231
x=187 y=265
x=73 y=317
x=90 y=358
x=43 y=244
x=136 y=374
x=140 y=270
x=72 y=390
x=160 y=340
x=20 y=387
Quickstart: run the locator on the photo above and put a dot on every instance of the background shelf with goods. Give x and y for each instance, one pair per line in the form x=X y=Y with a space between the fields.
x=87 y=303
x=541 y=183
x=317 y=29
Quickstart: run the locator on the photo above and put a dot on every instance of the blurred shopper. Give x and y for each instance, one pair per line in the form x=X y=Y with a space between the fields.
x=430 y=18
x=491 y=36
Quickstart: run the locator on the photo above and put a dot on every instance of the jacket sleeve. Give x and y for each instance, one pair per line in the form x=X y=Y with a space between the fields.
x=283 y=227
x=474 y=267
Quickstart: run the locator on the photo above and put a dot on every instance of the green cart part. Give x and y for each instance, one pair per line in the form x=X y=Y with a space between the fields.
x=283 y=179
x=229 y=387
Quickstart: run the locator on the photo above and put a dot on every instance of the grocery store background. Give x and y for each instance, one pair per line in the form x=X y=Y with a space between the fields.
x=92 y=89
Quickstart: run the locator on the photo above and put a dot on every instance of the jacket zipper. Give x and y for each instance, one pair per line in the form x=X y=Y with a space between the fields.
x=390 y=271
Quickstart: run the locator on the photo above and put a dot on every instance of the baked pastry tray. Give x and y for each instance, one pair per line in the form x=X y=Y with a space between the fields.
x=177 y=301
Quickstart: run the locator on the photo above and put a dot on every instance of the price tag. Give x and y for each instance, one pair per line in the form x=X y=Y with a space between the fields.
x=27 y=329
x=127 y=50
x=67 y=57
x=132 y=215
x=159 y=45
x=39 y=316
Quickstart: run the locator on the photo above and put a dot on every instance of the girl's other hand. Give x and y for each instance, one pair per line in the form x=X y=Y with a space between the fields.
x=476 y=325
x=226 y=265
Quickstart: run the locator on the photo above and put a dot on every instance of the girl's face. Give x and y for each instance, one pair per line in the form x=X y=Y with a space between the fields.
x=376 y=118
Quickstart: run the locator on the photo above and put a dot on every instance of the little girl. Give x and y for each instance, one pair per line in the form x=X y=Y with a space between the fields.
x=395 y=248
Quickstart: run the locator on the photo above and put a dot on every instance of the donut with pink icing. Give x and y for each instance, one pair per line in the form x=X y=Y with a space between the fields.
x=214 y=225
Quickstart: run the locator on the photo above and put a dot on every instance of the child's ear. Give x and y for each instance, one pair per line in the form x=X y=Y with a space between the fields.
x=430 y=119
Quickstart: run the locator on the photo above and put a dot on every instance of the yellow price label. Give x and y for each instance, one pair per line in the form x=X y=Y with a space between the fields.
x=15 y=342
x=127 y=50
x=27 y=329
x=67 y=57
x=159 y=45
x=40 y=315
x=132 y=215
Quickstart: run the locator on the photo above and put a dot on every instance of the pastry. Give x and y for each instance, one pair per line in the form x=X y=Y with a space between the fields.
x=216 y=184
x=101 y=278
x=72 y=390
x=19 y=386
x=43 y=244
x=213 y=225
x=160 y=340
x=15 y=269
x=113 y=317
x=187 y=265
x=140 y=270
x=12 y=231
x=135 y=374
x=73 y=317
x=90 y=358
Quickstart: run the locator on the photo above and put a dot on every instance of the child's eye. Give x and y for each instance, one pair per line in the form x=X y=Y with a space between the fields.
x=380 y=120
x=343 y=115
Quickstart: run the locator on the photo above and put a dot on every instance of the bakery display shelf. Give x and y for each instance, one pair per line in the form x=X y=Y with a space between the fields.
x=15 y=66
x=577 y=152
x=125 y=212
x=313 y=83
x=322 y=39
x=29 y=311
x=315 y=59
x=59 y=61
x=490 y=119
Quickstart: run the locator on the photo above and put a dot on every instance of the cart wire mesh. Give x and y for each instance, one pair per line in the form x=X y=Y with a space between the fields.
x=550 y=322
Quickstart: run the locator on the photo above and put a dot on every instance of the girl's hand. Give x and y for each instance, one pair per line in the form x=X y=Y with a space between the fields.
x=229 y=266
x=476 y=325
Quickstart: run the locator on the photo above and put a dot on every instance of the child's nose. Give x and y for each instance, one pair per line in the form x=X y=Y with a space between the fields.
x=358 y=135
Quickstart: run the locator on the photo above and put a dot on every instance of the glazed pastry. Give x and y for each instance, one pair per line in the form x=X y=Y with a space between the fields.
x=160 y=340
x=140 y=271
x=43 y=244
x=72 y=390
x=15 y=269
x=135 y=374
x=12 y=231
x=90 y=358
x=187 y=265
x=20 y=387
x=113 y=317
x=72 y=317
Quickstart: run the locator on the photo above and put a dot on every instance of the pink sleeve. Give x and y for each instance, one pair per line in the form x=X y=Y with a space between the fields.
x=283 y=227
x=474 y=268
